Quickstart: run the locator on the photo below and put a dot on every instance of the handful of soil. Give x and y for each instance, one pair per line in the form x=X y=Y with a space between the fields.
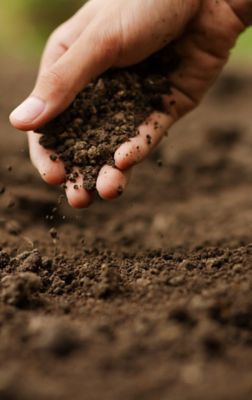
x=107 y=113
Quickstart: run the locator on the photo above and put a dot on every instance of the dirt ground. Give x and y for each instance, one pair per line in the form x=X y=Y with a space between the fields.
x=145 y=298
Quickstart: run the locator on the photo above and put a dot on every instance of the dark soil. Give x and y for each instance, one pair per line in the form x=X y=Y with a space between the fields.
x=148 y=297
x=106 y=114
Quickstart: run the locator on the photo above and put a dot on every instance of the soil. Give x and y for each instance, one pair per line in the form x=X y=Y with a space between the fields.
x=148 y=297
x=107 y=113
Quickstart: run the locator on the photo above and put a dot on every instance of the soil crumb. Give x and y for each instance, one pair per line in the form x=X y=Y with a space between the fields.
x=107 y=113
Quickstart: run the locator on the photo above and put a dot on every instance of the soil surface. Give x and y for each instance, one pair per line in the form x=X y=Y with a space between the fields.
x=148 y=297
x=106 y=114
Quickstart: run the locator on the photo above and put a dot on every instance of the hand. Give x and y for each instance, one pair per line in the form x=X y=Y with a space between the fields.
x=119 y=33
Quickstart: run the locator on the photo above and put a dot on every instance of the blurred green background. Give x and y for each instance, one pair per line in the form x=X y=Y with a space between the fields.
x=25 y=25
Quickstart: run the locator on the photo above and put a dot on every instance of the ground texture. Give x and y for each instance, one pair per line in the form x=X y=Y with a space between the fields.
x=148 y=297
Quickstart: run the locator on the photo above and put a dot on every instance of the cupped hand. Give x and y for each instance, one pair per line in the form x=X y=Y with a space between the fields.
x=105 y=34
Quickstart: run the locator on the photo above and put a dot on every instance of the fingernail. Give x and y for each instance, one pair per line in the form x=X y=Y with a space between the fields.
x=28 y=111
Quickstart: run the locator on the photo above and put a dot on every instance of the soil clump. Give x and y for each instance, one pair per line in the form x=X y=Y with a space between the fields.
x=107 y=113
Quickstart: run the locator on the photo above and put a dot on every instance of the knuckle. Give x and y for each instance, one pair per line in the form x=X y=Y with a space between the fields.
x=110 y=45
x=60 y=37
x=60 y=31
x=57 y=35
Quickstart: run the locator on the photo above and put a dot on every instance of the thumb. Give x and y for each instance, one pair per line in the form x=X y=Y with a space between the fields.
x=56 y=87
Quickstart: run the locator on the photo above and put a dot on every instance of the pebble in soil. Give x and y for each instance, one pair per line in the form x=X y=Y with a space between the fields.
x=107 y=113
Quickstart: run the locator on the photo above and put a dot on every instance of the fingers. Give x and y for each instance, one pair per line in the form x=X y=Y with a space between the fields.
x=52 y=172
x=111 y=182
x=150 y=134
x=77 y=196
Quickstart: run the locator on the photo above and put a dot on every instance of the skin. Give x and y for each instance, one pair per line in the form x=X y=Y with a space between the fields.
x=117 y=33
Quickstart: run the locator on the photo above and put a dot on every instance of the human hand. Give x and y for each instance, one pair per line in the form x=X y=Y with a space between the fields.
x=117 y=34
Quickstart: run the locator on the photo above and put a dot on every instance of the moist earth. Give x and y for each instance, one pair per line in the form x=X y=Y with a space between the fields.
x=107 y=113
x=148 y=297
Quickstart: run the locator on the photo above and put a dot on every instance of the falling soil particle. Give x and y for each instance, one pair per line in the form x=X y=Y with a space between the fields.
x=53 y=157
x=53 y=232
